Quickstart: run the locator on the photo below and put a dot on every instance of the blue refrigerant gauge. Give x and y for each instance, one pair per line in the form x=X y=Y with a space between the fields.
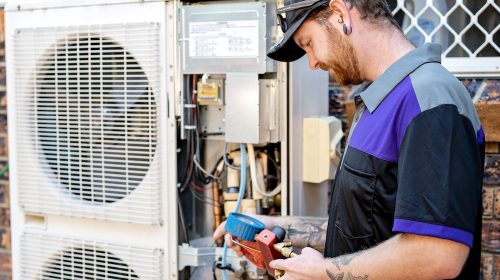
x=243 y=226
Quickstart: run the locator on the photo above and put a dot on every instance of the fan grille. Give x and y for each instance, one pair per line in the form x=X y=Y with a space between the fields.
x=95 y=118
x=87 y=100
x=87 y=263
x=50 y=257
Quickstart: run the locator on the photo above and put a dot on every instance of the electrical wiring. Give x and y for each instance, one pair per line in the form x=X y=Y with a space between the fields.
x=205 y=176
x=189 y=167
x=271 y=177
x=218 y=166
x=226 y=161
x=201 y=173
x=197 y=176
x=193 y=146
x=203 y=170
x=214 y=265
x=190 y=144
x=273 y=161
x=201 y=198
x=185 y=233
x=200 y=188
x=261 y=183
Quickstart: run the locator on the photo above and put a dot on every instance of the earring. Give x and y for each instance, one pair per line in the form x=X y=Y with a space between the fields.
x=347 y=30
x=340 y=19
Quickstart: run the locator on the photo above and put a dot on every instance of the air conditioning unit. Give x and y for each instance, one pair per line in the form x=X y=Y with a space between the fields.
x=92 y=139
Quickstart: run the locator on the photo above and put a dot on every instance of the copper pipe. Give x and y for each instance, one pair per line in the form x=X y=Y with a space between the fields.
x=216 y=201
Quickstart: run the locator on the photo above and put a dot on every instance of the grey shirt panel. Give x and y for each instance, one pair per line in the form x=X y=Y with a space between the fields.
x=435 y=86
x=378 y=90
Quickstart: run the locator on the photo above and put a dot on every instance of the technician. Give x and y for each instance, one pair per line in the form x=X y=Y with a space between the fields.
x=406 y=201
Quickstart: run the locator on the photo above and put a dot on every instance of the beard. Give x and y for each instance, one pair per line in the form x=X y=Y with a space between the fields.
x=341 y=63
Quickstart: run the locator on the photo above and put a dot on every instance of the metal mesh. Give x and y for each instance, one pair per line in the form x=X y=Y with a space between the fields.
x=465 y=28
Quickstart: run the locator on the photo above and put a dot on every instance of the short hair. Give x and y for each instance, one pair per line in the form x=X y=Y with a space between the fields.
x=374 y=11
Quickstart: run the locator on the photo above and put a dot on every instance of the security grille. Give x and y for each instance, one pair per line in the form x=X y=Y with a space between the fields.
x=87 y=99
x=48 y=257
x=465 y=28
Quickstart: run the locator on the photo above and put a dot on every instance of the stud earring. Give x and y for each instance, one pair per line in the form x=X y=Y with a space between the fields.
x=340 y=19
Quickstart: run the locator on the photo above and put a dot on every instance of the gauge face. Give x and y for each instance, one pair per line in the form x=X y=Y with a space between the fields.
x=96 y=118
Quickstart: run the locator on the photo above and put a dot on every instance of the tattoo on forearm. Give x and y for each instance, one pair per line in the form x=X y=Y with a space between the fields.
x=344 y=260
x=305 y=231
x=352 y=277
x=332 y=276
x=340 y=276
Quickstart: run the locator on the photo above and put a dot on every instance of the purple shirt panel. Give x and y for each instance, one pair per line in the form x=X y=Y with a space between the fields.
x=419 y=228
x=380 y=133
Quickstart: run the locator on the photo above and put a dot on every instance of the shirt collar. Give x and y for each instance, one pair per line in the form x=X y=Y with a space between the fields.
x=381 y=87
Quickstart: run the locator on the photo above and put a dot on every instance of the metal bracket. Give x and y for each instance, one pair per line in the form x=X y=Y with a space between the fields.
x=203 y=256
x=192 y=256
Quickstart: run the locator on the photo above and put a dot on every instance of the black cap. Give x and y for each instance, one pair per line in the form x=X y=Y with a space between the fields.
x=286 y=49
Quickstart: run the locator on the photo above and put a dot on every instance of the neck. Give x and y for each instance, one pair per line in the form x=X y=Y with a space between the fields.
x=378 y=48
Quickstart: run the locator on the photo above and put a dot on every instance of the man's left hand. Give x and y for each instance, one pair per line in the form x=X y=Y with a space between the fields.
x=308 y=265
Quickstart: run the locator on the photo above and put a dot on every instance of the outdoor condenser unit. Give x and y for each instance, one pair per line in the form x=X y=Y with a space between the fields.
x=92 y=139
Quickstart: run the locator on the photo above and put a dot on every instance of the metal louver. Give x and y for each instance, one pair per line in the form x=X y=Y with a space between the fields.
x=48 y=257
x=465 y=28
x=87 y=99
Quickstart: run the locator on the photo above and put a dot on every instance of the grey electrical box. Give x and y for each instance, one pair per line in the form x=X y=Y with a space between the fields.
x=230 y=37
x=252 y=109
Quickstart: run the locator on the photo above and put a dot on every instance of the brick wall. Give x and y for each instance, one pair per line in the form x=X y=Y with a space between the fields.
x=491 y=216
x=5 y=259
x=5 y=247
x=487 y=95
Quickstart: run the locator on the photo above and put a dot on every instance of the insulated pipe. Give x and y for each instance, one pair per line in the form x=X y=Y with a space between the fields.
x=243 y=179
x=257 y=185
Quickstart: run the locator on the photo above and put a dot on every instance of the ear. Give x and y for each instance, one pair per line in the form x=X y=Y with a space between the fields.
x=341 y=12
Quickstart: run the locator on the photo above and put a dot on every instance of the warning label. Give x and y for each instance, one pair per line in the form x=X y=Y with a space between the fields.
x=224 y=38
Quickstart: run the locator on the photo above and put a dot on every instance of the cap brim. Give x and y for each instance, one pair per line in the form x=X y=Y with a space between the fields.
x=286 y=50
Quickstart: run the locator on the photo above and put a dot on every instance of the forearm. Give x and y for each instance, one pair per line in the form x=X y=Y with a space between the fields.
x=301 y=231
x=401 y=257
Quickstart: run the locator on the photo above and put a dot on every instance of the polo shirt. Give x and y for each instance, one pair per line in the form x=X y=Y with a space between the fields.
x=413 y=162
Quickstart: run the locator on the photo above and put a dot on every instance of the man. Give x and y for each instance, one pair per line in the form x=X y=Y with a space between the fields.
x=406 y=201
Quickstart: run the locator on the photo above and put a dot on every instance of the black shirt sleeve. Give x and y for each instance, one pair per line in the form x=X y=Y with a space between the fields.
x=439 y=177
